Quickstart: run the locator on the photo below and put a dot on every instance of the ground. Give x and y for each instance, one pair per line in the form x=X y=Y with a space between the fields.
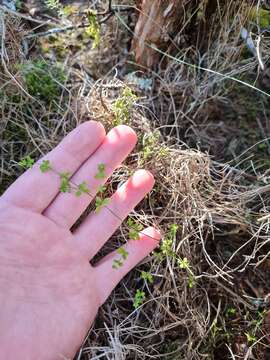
x=205 y=136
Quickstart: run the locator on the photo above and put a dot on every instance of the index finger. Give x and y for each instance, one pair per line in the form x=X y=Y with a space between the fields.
x=36 y=190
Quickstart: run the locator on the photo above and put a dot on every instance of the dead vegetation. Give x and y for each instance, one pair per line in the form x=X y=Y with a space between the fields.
x=209 y=298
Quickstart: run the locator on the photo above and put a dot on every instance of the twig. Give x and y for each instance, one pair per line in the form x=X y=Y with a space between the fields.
x=25 y=17
x=107 y=15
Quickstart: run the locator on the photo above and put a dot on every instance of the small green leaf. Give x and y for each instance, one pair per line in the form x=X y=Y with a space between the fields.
x=117 y=264
x=100 y=203
x=147 y=276
x=139 y=298
x=45 y=166
x=191 y=281
x=134 y=229
x=27 y=162
x=183 y=263
x=101 y=189
x=101 y=172
x=82 y=188
x=65 y=184
x=121 y=251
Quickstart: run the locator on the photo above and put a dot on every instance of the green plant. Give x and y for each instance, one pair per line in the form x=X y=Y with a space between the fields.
x=43 y=80
x=53 y=4
x=183 y=263
x=65 y=185
x=122 y=106
x=100 y=203
x=139 y=298
x=150 y=146
x=134 y=229
x=117 y=263
x=27 y=162
x=45 y=166
x=191 y=281
x=166 y=246
x=82 y=188
x=101 y=172
x=251 y=338
x=147 y=276
x=93 y=29
x=231 y=311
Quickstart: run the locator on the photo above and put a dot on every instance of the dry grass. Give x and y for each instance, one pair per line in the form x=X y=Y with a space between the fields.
x=221 y=211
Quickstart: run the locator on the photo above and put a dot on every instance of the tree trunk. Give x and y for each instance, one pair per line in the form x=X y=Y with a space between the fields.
x=158 y=22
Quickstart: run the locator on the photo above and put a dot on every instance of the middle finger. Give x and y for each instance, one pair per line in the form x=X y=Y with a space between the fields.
x=66 y=208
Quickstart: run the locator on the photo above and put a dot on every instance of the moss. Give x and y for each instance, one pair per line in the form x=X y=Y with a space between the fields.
x=43 y=80
x=260 y=15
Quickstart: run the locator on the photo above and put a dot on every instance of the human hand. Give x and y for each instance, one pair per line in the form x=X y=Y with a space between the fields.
x=49 y=293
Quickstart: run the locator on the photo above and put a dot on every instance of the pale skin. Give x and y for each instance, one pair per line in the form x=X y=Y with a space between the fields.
x=49 y=292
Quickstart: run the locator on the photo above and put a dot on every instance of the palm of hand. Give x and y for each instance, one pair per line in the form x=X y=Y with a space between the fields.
x=49 y=293
x=51 y=288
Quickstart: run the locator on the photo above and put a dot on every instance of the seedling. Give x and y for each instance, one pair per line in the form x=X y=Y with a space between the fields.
x=82 y=188
x=251 y=338
x=65 y=183
x=139 y=298
x=191 y=281
x=134 y=229
x=101 y=188
x=101 y=172
x=53 y=4
x=117 y=263
x=27 y=162
x=231 y=311
x=45 y=166
x=93 y=29
x=121 y=251
x=183 y=263
x=123 y=105
x=100 y=203
x=145 y=275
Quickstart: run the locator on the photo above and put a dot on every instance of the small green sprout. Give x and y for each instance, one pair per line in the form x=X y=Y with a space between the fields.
x=166 y=247
x=117 y=263
x=145 y=275
x=101 y=189
x=183 y=263
x=173 y=230
x=101 y=172
x=100 y=203
x=231 y=311
x=65 y=183
x=82 y=188
x=123 y=105
x=27 y=162
x=53 y=4
x=191 y=281
x=93 y=29
x=251 y=338
x=134 y=229
x=45 y=166
x=121 y=251
x=139 y=298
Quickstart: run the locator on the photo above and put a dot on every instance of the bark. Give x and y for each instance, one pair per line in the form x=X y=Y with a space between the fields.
x=158 y=22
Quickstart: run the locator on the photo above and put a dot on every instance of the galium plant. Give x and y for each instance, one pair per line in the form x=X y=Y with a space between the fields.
x=123 y=105
x=66 y=186
x=93 y=29
x=139 y=298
